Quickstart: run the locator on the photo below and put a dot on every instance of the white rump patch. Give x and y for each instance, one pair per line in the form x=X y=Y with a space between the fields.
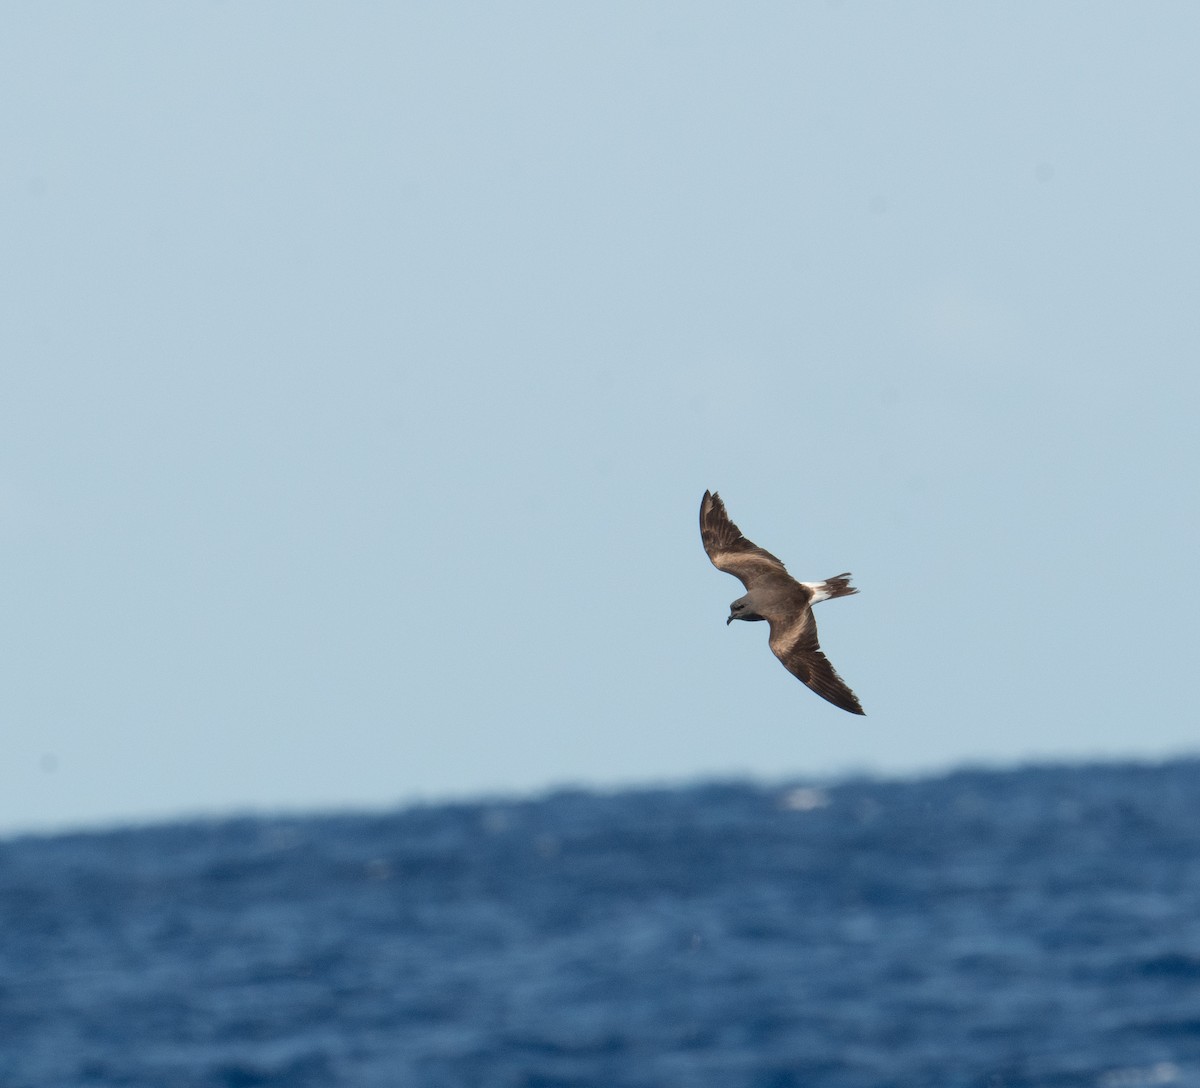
x=819 y=590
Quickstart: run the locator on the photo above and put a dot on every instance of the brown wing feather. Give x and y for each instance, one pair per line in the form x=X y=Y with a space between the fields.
x=728 y=549
x=795 y=644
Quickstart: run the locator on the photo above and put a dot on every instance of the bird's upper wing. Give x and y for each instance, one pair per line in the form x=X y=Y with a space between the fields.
x=794 y=642
x=728 y=549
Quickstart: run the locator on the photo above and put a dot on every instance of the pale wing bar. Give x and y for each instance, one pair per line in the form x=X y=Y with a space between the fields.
x=796 y=646
x=728 y=549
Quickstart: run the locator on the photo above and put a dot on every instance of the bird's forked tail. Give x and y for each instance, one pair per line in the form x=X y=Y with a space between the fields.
x=839 y=585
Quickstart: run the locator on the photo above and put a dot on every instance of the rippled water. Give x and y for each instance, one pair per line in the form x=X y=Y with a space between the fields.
x=1032 y=927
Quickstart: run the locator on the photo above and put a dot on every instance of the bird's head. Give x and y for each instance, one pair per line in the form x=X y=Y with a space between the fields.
x=741 y=610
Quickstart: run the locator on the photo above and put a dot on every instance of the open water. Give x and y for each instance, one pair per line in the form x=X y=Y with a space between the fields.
x=1030 y=927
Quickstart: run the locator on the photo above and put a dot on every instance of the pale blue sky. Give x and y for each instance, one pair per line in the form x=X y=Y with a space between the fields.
x=364 y=365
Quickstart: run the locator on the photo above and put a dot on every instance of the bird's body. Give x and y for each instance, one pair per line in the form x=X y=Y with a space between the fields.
x=775 y=596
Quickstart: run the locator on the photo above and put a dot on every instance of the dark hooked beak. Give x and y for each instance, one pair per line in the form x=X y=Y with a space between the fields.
x=729 y=621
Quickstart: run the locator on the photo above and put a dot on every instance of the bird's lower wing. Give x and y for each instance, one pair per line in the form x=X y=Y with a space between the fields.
x=795 y=644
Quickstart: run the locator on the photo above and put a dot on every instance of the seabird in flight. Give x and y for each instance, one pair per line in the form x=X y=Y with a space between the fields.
x=775 y=596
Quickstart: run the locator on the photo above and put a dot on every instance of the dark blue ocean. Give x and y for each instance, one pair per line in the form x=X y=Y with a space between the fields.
x=1030 y=927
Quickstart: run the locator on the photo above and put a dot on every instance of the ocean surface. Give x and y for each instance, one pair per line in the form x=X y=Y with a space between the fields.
x=1030 y=927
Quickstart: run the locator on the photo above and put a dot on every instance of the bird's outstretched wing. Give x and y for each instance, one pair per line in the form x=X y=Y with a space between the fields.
x=728 y=549
x=795 y=644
